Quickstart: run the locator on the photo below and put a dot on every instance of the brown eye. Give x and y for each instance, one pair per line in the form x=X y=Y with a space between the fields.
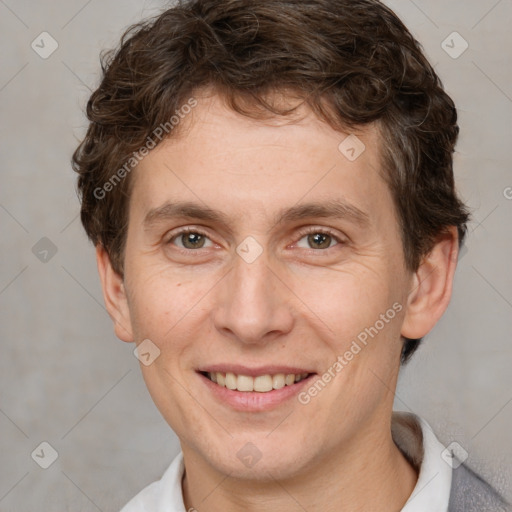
x=320 y=240
x=317 y=240
x=189 y=240
x=192 y=240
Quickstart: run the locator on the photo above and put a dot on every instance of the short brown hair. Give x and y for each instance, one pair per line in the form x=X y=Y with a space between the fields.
x=352 y=61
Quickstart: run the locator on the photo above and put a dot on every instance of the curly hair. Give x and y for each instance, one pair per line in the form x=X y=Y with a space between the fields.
x=353 y=62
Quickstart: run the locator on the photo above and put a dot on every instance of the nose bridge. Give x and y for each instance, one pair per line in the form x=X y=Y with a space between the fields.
x=251 y=304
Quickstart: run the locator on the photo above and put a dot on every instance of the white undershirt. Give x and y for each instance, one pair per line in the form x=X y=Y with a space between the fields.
x=431 y=493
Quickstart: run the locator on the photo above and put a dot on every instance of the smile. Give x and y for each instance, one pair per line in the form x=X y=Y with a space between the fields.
x=260 y=383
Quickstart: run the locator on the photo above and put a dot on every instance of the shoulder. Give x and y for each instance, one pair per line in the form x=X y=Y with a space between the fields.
x=470 y=492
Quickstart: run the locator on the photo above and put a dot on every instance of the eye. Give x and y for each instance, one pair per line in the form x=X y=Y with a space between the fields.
x=318 y=239
x=190 y=239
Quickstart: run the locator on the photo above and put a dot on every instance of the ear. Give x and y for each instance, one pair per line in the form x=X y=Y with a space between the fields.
x=431 y=288
x=114 y=296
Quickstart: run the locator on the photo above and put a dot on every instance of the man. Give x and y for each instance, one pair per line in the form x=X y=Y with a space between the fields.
x=270 y=190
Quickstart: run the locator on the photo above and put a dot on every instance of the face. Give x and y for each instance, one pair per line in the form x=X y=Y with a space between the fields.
x=258 y=249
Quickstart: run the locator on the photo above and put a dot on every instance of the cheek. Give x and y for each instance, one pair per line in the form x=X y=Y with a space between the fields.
x=348 y=299
x=166 y=308
x=356 y=316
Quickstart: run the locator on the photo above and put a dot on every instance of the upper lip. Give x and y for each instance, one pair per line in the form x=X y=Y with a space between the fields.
x=238 y=369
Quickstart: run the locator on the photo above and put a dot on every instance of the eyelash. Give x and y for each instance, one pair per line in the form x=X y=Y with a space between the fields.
x=321 y=231
x=301 y=234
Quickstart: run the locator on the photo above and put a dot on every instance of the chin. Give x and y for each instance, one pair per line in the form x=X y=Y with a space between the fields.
x=261 y=457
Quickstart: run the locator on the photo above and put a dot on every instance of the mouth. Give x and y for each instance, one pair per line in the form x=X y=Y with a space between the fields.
x=264 y=383
x=253 y=389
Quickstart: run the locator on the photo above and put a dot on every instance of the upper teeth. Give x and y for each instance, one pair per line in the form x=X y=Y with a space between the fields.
x=260 y=383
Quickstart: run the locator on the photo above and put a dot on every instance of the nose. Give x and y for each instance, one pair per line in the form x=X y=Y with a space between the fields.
x=253 y=303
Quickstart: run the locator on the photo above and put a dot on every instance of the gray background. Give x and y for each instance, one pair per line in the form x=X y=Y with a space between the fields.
x=66 y=379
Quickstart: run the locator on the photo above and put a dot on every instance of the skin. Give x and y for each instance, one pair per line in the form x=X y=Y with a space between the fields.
x=296 y=304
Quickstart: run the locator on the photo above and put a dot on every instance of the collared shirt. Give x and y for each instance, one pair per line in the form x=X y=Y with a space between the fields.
x=411 y=434
x=417 y=441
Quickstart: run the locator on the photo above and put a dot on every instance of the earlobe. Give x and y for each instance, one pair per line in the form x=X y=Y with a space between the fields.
x=114 y=295
x=431 y=287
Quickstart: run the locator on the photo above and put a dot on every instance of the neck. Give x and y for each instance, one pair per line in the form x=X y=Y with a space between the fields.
x=370 y=474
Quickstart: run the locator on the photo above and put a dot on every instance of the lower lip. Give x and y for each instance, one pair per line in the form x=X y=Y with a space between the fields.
x=254 y=401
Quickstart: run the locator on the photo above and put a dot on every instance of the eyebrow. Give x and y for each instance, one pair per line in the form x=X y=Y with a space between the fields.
x=334 y=208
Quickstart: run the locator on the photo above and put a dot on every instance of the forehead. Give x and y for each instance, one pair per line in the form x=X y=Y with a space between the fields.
x=240 y=164
x=215 y=126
